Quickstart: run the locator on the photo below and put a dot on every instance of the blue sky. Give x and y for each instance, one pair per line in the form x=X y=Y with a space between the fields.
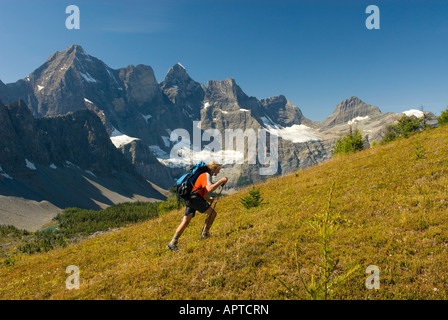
x=316 y=53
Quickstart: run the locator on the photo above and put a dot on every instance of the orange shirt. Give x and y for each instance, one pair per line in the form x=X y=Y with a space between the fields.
x=201 y=182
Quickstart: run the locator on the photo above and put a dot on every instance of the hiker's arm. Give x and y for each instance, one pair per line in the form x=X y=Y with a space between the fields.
x=213 y=187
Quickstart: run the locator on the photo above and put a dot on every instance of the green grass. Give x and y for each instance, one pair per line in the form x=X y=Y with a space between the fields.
x=75 y=224
x=391 y=207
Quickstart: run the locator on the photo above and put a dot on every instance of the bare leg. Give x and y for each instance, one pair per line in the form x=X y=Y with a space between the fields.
x=180 y=229
x=186 y=220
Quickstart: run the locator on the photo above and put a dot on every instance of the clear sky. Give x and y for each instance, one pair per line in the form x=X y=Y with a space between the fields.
x=316 y=53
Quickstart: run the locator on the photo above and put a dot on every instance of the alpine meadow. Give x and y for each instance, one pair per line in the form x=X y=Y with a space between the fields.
x=312 y=236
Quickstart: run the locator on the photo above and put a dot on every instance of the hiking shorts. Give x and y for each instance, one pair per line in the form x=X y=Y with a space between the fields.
x=196 y=203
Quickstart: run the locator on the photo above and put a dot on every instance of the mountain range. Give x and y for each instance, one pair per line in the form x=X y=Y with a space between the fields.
x=112 y=127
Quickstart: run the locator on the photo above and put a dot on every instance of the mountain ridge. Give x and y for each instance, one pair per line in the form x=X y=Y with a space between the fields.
x=131 y=102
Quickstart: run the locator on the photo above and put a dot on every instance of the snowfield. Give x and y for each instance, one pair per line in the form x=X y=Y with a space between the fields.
x=119 y=139
x=296 y=133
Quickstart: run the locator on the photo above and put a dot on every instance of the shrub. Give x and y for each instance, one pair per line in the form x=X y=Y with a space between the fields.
x=443 y=119
x=253 y=199
x=406 y=126
x=350 y=143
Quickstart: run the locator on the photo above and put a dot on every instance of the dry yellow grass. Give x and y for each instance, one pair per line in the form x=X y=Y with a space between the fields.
x=395 y=204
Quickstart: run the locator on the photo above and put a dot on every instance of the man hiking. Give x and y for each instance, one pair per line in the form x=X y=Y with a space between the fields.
x=201 y=202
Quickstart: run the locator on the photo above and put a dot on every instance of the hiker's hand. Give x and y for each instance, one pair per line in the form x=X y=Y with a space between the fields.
x=211 y=199
x=224 y=181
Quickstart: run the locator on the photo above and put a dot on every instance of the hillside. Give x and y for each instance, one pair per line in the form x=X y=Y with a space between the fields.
x=393 y=204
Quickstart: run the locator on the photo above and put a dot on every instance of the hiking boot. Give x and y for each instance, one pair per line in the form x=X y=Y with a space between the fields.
x=205 y=236
x=172 y=247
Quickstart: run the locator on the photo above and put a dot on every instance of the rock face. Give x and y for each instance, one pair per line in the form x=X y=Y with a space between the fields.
x=133 y=105
x=283 y=112
x=78 y=137
x=147 y=164
x=65 y=160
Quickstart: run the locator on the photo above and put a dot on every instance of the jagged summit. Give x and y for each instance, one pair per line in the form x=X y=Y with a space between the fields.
x=70 y=55
x=75 y=48
x=350 y=109
x=176 y=76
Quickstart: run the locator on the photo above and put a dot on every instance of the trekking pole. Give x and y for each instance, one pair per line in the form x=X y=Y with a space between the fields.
x=219 y=195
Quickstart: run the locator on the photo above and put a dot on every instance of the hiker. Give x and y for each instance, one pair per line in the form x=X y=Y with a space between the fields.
x=201 y=202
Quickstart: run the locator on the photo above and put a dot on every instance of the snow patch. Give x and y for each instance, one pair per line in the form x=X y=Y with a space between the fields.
x=90 y=172
x=181 y=66
x=7 y=176
x=244 y=110
x=53 y=166
x=111 y=75
x=414 y=112
x=87 y=77
x=119 y=139
x=39 y=88
x=88 y=101
x=296 y=133
x=206 y=105
x=146 y=117
x=30 y=165
x=4 y=174
x=357 y=119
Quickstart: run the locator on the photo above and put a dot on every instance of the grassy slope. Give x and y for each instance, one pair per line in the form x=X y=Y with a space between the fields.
x=397 y=207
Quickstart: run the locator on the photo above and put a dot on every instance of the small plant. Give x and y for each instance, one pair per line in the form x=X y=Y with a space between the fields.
x=419 y=150
x=253 y=199
x=320 y=286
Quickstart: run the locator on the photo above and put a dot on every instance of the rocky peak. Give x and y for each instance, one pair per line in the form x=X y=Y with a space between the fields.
x=227 y=95
x=283 y=112
x=176 y=76
x=348 y=110
x=185 y=93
